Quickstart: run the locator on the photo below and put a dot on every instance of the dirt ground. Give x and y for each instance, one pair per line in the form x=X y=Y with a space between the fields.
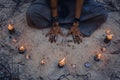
x=38 y=48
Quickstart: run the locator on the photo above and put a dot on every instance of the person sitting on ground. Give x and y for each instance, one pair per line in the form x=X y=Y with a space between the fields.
x=81 y=17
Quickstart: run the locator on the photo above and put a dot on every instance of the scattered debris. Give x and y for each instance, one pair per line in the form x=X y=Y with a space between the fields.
x=76 y=76
x=115 y=75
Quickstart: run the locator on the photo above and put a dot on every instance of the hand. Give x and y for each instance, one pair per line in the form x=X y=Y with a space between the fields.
x=53 y=33
x=76 y=34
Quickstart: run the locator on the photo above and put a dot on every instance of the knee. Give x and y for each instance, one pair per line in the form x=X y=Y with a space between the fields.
x=36 y=18
x=104 y=16
x=29 y=17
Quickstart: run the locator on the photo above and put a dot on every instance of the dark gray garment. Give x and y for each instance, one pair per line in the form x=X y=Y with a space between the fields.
x=93 y=15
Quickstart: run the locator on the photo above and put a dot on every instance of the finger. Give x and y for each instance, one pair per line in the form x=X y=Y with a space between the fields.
x=74 y=39
x=54 y=38
x=80 y=39
x=50 y=38
x=49 y=33
x=46 y=34
x=81 y=34
x=77 y=39
x=78 y=42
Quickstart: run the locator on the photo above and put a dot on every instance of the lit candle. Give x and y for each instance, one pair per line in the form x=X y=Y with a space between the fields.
x=11 y=29
x=61 y=63
x=98 y=57
x=42 y=62
x=21 y=49
x=108 y=38
x=103 y=49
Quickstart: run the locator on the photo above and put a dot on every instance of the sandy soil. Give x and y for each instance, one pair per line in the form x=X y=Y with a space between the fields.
x=39 y=48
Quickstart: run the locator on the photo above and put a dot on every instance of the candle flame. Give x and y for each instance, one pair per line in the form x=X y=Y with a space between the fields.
x=22 y=48
x=10 y=27
x=110 y=36
x=99 y=56
x=62 y=62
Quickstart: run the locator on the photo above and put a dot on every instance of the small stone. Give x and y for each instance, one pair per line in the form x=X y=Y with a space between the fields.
x=87 y=65
x=14 y=40
x=27 y=56
x=73 y=65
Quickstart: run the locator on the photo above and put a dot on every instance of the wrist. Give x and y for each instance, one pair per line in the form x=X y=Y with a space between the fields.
x=55 y=21
x=76 y=22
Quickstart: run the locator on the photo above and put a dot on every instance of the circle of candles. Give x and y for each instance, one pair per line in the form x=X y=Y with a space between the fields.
x=98 y=57
x=21 y=49
x=61 y=63
x=11 y=29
